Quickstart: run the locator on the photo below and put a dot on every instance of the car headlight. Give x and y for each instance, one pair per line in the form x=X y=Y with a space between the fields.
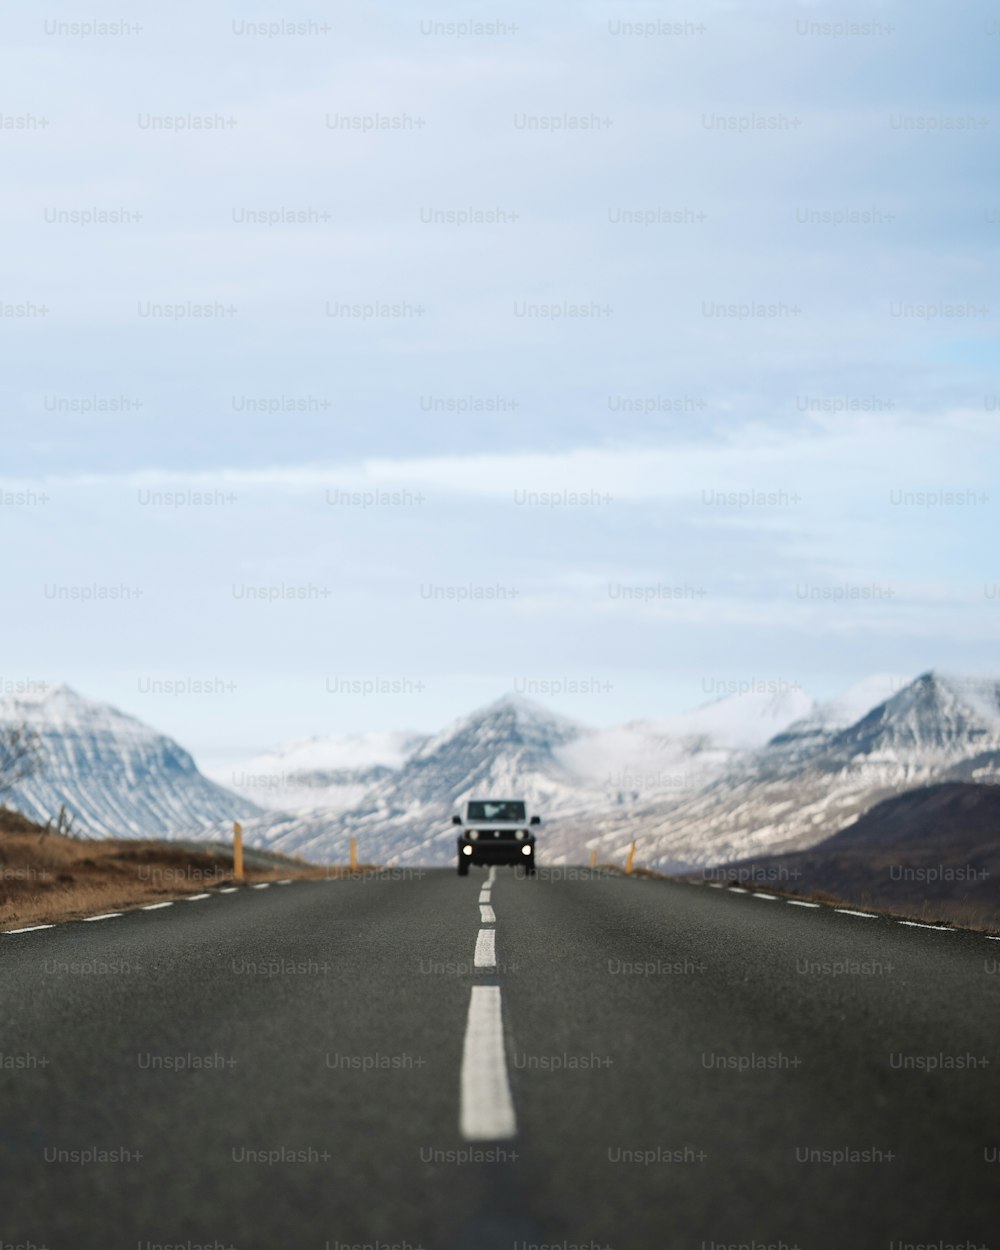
x=525 y=850
x=473 y=834
x=521 y=833
x=466 y=850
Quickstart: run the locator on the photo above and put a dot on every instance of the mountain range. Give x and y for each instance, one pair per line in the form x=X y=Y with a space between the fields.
x=816 y=776
x=516 y=748
x=757 y=773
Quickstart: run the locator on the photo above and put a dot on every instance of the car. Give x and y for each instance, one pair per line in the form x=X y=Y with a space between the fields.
x=495 y=831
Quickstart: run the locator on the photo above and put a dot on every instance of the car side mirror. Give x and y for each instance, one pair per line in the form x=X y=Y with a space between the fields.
x=535 y=820
x=456 y=820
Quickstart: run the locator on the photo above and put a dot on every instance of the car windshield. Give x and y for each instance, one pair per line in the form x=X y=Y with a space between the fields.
x=505 y=809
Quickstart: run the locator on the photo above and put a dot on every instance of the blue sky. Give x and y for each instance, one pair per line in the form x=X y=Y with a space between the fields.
x=575 y=471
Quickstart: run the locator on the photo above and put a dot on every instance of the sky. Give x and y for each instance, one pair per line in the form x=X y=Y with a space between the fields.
x=359 y=370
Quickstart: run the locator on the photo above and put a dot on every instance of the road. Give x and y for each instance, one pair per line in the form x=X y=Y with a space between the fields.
x=622 y=1062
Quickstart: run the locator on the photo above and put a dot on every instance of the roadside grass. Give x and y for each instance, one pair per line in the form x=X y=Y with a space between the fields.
x=47 y=877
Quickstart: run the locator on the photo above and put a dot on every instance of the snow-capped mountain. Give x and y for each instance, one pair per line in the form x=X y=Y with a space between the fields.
x=509 y=748
x=116 y=776
x=334 y=773
x=515 y=748
x=813 y=779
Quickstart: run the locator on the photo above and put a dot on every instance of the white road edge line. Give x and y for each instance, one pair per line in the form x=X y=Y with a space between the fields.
x=32 y=928
x=486 y=914
x=108 y=915
x=155 y=906
x=797 y=902
x=846 y=911
x=486 y=951
x=915 y=924
x=193 y=898
x=487 y=1111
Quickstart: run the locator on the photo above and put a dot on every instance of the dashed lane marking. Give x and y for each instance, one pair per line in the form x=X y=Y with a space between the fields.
x=487 y=1110
x=485 y=958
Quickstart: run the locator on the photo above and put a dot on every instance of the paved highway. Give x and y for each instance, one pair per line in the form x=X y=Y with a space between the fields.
x=418 y=1060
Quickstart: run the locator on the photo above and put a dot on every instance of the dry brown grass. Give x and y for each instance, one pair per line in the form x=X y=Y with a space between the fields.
x=46 y=877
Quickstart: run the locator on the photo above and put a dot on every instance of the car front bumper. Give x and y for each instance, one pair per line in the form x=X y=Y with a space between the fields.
x=497 y=850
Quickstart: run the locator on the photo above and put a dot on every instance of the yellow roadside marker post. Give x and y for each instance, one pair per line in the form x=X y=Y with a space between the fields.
x=631 y=857
x=354 y=854
x=237 y=850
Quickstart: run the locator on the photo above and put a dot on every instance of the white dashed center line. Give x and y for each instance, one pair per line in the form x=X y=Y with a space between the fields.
x=487 y=915
x=108 y=915
x=915 y=924
x=846 y=911
x=486 y=952
x=487 y=1111
x=261 y=885
x=797 y=902
x=156 y=906
x=32 y=928
x=738 y=889
x=229 y=889
x=773 y=898
x=193 y=898
x=493 y=873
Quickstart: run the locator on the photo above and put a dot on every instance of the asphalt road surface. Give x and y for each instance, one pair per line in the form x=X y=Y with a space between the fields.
x=575 y=1060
